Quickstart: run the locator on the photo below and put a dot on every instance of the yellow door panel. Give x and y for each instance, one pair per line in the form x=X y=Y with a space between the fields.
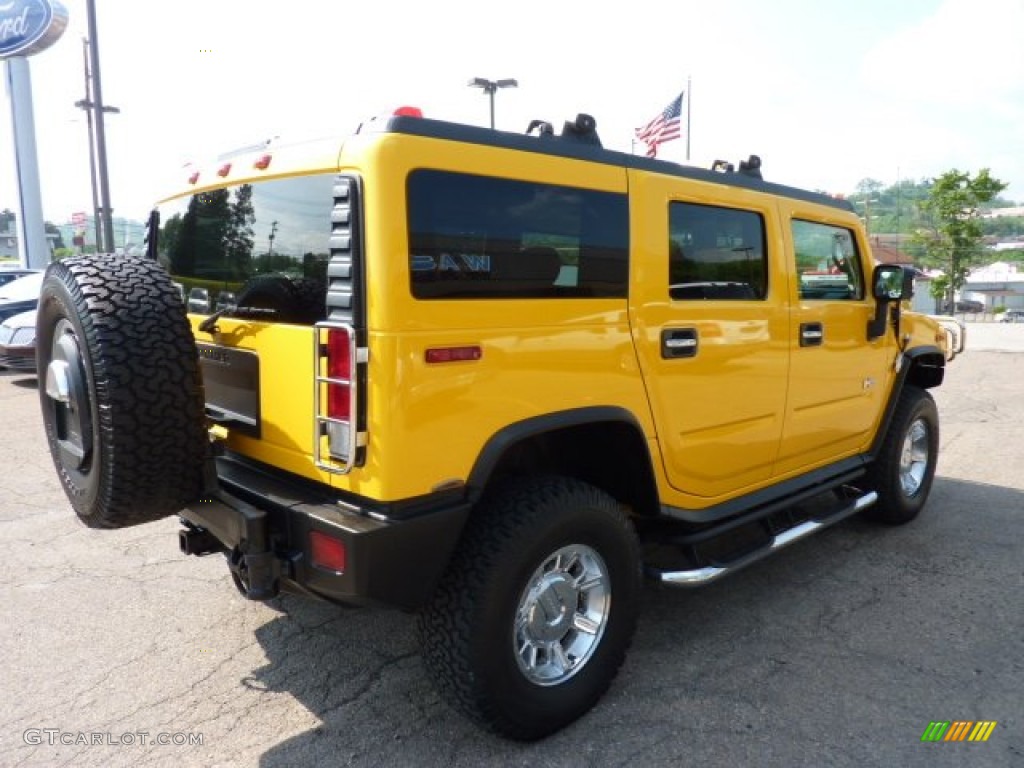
x=839 y=379
x=712 y=339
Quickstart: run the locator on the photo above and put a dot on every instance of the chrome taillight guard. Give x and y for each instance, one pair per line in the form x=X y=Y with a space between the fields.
x=331 y=461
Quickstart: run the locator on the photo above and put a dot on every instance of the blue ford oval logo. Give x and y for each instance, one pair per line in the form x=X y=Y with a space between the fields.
x=30 y=26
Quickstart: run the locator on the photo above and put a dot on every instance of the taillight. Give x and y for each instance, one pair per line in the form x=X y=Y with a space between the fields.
x=338 y=436
x=327 y=552
x=339 y=370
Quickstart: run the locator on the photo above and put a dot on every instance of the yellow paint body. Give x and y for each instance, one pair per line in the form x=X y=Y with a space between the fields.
x=751 y=409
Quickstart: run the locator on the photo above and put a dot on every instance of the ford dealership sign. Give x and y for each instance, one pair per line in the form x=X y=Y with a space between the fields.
x=30 y=26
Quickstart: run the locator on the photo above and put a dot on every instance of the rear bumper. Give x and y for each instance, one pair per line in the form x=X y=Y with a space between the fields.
x=393 y=554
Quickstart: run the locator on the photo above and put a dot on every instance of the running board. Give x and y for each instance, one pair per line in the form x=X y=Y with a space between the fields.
x=698 y=577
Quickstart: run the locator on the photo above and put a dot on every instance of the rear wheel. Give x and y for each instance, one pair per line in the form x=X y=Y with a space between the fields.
x=903 y=471
x=120 y=390
x=533 y=618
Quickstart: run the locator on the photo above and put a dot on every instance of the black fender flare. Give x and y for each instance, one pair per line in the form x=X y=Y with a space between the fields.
x=508 y=437
x=909 y=360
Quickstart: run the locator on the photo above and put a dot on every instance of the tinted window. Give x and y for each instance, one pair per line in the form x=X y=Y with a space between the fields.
x=716 y=253
x=217 y=240
x=481 y=237
x=826 y=261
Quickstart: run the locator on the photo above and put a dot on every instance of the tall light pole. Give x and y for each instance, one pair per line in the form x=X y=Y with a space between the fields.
x=88 y=106
x=490 y=87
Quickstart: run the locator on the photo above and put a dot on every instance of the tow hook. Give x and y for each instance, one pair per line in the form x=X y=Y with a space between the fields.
x=254 y=574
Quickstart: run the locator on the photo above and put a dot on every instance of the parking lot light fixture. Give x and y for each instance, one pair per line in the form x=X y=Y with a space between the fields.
x=490 y=87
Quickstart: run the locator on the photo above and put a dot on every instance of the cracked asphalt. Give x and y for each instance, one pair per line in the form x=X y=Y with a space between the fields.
x=838 y=651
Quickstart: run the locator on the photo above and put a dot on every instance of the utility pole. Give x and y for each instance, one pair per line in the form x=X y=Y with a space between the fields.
x=86 y=104
x=106 y=211
x=273 y=232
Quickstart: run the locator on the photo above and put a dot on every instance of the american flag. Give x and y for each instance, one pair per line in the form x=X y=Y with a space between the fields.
x=664 y=127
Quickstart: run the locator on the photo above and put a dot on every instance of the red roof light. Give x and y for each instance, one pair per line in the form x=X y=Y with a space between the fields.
x=194 y=177
x=224 y=170
x=408 y=112
x=262 y=163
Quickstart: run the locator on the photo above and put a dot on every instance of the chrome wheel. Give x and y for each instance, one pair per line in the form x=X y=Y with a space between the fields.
x=562 y=615
x=914 y=457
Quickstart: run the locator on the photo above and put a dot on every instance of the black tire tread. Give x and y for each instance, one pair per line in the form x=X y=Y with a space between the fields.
x=505 y=525
x=144 y=378
x=892 y=507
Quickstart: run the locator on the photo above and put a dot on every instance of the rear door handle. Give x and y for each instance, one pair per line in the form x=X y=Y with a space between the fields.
x=811 y=334
x=678 y=342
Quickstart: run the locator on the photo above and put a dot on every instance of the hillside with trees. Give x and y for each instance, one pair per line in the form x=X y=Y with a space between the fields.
x=903 y=209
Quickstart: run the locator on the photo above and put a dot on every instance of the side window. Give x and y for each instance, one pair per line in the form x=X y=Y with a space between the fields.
x=716 y=253
x=474 y=237
x=827 y=264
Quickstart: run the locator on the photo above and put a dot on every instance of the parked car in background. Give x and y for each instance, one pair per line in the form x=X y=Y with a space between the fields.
x=199 y=300
x=965 y=306
x=1012 y=316
x=18 y=342
x=20 y=295
x=10 y=272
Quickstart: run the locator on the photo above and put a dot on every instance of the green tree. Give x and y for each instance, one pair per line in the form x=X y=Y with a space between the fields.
x=952 y=231
x=51 y=229
x=198 y=243
x=238 y=237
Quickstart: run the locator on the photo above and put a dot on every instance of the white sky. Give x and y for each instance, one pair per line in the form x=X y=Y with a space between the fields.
x=828 y=92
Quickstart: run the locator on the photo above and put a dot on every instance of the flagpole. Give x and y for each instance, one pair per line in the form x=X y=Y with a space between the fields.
x=689 y=102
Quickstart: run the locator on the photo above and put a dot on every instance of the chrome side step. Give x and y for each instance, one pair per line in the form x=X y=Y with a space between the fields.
x=698 y=577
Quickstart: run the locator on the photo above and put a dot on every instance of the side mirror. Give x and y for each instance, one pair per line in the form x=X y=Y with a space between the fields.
x=888 y=285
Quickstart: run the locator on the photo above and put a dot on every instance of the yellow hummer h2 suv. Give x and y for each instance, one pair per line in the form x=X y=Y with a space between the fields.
x=492 y=378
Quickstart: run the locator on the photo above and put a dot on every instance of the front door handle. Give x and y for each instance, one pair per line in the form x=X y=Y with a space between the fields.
x=811 y=334
x=678 y=342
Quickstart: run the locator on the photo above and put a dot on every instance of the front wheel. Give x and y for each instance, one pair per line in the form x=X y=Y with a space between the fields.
x=533 y=618
x=903 y=471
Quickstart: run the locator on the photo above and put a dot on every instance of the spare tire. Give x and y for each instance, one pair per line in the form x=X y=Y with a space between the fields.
x=274 y=293
x=289 y=300
x=120 y=390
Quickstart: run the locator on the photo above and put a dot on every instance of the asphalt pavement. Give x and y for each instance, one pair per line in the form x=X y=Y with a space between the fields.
x=116 y=650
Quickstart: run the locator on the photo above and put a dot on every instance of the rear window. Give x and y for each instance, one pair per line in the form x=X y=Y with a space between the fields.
x=478 y=237
x=217 y=240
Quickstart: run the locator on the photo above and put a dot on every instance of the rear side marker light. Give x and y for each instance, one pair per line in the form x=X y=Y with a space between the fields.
x=454 y=354
x=327 y=552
